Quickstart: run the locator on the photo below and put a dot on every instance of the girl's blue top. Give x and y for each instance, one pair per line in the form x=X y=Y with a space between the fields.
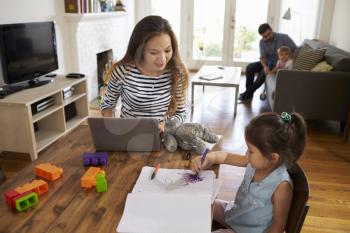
x=252 y=210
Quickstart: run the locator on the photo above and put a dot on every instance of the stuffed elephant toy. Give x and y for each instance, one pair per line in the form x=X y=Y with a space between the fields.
x=187 y=136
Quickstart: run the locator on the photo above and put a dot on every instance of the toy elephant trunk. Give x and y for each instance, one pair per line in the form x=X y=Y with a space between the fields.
x=209 y=136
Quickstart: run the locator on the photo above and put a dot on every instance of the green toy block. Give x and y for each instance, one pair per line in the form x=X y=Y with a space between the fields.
x=26 y=201
x=101 y=183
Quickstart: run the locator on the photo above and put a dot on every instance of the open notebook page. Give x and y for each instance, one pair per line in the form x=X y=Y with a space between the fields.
x=171 y=213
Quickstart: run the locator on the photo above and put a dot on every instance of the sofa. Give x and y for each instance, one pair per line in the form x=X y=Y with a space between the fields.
x=316 y=95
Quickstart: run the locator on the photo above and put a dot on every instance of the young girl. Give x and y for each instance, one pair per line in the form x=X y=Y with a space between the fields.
x=275 y=142
x=150 y=79
x=284 y=60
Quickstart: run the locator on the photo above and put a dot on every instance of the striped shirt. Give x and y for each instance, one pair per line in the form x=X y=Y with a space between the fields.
x=142 y=95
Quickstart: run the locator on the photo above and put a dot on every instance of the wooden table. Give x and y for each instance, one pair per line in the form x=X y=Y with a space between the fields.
x=69 y=208
x=230 y=78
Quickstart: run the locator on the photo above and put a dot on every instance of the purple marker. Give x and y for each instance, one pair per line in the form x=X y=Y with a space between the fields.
x=204 y=155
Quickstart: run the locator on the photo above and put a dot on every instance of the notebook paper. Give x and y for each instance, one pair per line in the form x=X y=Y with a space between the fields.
x=171 y=213
x=175 y=200
x=174 y=181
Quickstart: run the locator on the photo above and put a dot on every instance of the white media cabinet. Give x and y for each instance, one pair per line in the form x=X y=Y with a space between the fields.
x=25 y=132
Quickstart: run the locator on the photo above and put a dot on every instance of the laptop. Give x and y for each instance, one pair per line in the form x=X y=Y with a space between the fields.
x=122 y=134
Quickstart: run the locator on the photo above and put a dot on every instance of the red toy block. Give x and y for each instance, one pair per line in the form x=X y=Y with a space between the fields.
x=48 y=171
x=10 y=196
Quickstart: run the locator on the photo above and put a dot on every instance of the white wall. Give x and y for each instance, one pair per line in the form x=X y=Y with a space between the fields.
x=340 y=31
x=325 y=21
x=19 y=11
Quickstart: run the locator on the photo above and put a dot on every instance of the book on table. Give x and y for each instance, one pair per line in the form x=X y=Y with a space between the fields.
x=210 y=77
x=174 y=201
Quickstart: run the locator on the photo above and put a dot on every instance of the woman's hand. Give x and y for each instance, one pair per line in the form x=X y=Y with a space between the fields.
x=107 y=112
x=161 y=126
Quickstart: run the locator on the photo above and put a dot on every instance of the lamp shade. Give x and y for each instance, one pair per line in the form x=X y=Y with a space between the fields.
x=287 y=15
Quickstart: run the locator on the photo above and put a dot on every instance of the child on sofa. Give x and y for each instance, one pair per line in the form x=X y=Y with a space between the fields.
x=284 y=60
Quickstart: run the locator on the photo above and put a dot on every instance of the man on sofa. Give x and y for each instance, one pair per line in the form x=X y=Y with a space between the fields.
x=269 y=45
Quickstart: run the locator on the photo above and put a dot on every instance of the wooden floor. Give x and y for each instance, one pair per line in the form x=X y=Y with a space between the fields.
x=326 y=160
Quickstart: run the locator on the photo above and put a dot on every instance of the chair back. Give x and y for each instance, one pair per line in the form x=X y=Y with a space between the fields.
x=299 y=207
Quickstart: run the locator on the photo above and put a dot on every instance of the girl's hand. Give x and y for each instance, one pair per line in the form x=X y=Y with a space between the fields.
x=196 y=164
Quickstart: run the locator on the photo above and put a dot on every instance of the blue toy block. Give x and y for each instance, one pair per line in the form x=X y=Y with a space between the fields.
x=94 y=159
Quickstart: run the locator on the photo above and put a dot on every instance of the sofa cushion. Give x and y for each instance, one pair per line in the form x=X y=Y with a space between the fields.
x=338 y=58
x=308 y=58
x=339 y=62
x=323 y=66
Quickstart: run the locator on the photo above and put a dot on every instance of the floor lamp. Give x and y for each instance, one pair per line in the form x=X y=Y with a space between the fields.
x=288 y=16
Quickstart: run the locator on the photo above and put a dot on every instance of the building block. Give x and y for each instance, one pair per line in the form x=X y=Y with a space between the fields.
x=48 y=171
x=101 y=183
x=94 y=159
x=38 y=186
x=26 y=200
x=10 y=196
x=89 y=178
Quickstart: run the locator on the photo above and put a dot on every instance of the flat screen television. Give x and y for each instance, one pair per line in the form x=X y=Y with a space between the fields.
x=27 y=51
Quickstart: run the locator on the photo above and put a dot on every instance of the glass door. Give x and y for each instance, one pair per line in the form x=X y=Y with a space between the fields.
x=229 y=36
x=206 y=32
x=248 y=15
x=221 y=32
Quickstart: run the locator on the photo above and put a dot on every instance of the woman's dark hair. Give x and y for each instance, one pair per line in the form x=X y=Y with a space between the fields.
x=271 y=133
x=145 y=29
x=263 y=28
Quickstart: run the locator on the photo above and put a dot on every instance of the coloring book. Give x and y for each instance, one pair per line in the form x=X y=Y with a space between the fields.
x=176 y=200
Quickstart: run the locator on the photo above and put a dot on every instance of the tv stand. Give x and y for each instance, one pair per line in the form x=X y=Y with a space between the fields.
x=25 y=130
x=37 y=82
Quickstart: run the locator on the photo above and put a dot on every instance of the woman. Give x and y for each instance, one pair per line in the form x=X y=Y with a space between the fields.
x=150 y=79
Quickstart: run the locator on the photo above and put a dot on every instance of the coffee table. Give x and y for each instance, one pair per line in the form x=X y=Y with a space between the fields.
x=230 y=78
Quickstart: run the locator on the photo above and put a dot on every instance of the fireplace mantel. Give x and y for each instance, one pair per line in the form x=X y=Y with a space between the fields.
x=90 y=34
x=93 y=16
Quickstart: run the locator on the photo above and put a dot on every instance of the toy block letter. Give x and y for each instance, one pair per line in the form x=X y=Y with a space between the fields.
x=89 y=178
x=48 y=171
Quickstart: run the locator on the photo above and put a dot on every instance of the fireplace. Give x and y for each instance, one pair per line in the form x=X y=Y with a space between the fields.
x=103 y=59
x=93 y=41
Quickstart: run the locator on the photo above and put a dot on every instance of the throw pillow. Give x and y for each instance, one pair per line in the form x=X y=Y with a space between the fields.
x=308 y=58
x=323 y=66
